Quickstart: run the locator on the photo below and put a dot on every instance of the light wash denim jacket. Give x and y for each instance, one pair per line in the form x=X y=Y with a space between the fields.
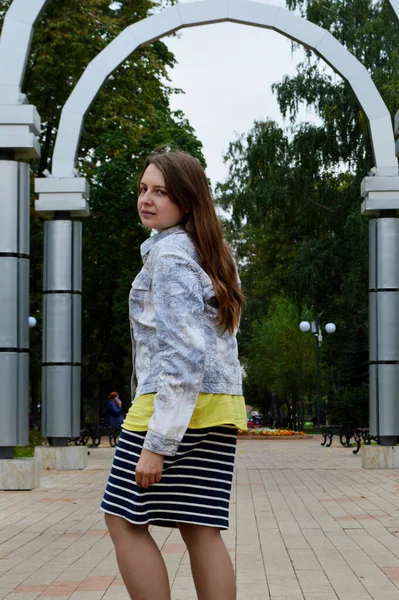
x=178 y=350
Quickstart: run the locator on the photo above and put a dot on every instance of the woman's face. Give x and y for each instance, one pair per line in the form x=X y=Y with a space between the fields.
x=156 y=209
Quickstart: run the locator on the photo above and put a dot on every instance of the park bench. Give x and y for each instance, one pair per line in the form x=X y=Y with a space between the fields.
x=346 y=431
x=362 y=434
x=95 y=432
x=328 y=432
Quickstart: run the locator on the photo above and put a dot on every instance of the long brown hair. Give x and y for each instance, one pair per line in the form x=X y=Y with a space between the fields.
x=187 y=186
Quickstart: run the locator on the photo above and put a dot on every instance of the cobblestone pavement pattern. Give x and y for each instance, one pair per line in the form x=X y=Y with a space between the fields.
x=306 y=523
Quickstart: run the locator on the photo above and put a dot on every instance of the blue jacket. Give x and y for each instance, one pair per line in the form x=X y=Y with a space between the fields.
x=113 y=415
x=178 y=350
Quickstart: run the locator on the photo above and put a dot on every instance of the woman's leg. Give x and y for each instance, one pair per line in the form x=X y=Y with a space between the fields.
x=139 y=559
x=211 y=565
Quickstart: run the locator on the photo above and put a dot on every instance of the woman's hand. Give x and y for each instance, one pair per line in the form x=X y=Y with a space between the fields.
x=149 y=468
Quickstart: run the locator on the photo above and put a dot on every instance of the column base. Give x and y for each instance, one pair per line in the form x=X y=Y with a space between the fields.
x=63 y=458
x=19 y=474
x=380 y=457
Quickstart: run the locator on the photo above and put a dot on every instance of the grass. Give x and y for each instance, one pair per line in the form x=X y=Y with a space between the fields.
x=24 y=452
x=309 y=428
x=35 y=439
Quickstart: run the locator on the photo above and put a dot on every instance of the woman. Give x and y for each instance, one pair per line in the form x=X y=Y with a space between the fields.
x=113 y=415
x=175 y=457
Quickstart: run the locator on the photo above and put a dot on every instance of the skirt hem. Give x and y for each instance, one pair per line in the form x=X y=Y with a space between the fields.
x=161 y=522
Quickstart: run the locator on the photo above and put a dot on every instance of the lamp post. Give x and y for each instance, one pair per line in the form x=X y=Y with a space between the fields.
x=314 y=326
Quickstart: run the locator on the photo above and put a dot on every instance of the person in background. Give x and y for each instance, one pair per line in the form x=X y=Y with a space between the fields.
x=113 y=415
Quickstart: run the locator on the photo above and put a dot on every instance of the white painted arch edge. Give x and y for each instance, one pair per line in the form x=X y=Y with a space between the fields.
x=212 y=11
x=15 y=41
x=395 y=6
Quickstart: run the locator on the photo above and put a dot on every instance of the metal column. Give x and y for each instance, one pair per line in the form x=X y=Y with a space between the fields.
x=61 y=330
x=384 y=327
x=14 y=305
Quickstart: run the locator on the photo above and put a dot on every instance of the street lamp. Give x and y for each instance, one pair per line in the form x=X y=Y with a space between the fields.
x=314 y=326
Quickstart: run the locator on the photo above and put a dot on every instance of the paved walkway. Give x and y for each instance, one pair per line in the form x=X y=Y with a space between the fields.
x=307 y=523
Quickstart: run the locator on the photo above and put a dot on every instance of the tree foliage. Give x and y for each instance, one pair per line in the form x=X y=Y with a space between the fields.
x=294 y=199
x=369 y=31
x=130 y=118
x=281 y=360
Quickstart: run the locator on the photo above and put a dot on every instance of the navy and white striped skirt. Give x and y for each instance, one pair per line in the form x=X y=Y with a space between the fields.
x=195 y=486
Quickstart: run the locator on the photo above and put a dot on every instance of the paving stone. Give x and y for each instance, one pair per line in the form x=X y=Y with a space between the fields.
x=307 y=523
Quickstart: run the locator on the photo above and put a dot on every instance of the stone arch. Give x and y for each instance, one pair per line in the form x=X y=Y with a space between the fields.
x=395 y=6
x=215 y=11
x=15 y=41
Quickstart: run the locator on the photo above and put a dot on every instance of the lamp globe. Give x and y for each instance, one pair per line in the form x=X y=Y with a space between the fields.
x=304 y=326
x=330 y=328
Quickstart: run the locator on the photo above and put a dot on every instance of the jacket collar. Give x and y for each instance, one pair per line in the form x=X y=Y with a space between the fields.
x=148 y=244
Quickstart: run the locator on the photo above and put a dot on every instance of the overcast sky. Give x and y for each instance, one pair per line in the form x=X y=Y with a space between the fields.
x=226 y=71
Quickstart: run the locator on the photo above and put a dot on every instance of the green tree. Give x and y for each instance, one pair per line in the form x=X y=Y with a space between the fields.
x=294 y=195
x=130 y=118
x=369 y=31
x=281 y=360
x=295 y=226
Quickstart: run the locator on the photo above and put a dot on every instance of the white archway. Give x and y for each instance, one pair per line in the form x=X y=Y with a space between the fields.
x=246 y=12
x=395 y=6
x=15 y=41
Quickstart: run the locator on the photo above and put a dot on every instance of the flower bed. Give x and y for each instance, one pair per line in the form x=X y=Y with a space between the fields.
x=266 y=432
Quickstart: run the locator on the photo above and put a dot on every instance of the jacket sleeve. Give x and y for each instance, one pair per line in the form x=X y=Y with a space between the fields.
x=179 y=313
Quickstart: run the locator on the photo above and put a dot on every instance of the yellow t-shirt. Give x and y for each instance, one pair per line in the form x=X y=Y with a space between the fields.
x=210 y=410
